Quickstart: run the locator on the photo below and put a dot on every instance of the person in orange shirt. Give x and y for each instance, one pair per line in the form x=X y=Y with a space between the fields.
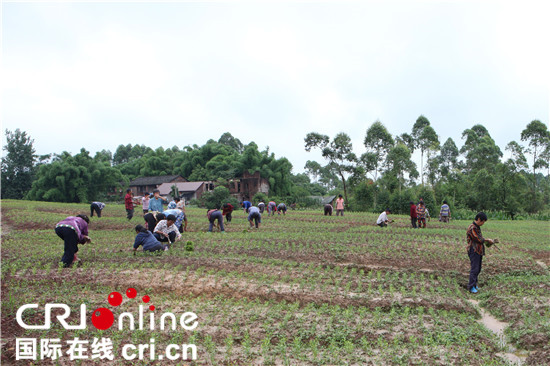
x=340 y=205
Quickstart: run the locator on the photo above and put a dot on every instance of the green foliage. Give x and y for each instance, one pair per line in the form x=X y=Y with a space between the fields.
x=18 y=164
x=78 y=178
x=215 y=198
x=259 y=197
x=427 y=194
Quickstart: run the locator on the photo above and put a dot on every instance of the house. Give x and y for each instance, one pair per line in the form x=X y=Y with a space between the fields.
x=187 y=190
x=246 y=187
x=147 y=184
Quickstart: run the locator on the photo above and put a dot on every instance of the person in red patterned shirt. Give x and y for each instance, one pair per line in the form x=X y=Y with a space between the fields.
x=476 y=249
x=129 y=204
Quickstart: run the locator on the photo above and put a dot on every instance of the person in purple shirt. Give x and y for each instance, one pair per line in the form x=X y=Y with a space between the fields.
x=73 y=230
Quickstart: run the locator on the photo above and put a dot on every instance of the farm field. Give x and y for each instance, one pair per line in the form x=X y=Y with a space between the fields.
x=304 y=289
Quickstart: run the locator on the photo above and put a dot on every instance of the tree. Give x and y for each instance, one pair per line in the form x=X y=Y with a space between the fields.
x=338 y=152
x=480 y=150
x=18 y=164
x=537 y=134
x=78 y=178
x=428 y=142
x=449 y=156
x=423 y=138
x=228 y=140
x=398 y=162
x=378 y=142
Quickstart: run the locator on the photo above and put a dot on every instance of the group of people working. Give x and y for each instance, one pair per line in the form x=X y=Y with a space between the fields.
x=163 y=227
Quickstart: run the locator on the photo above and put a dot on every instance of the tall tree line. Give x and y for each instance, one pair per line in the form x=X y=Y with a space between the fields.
x=474 y=176
x=82 y=177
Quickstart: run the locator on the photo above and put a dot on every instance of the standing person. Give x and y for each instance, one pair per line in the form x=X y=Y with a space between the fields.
x=254 y=214
x=413 y=214
x=476 y=249
x=166 y=230
x=181 y=218
x=152 y=219
x=271 y=208
x=155 y=204
x=421 y=214
x=245 y=205
x=328 y=209
x=227 y=210
x=145 y=202
x=129 y=204
x=261 y=206
x=281 y=208
x=73 y=230
x=214 y=215
x=340 y=205
x=97 y=207
x=445 y=212
x=383 y=220
x=148 y=240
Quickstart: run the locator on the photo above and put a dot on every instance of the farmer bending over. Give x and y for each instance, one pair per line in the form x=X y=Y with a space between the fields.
x=281 y=208
x=254 y=214
x=328 y=209
x=180 y=218
x=97 y=207
x=148 y=240
x=73 y=230
x=214 y=215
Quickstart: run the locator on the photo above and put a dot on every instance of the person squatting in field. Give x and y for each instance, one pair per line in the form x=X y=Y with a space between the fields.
x=445 y=212
x=340 y=205
x=97 y=207
x=383 y=220
x=181 y=218
x=227 y=210
x=166 y=230
x=271 y=208
x=73 y=230
x=254 y=217
x=421 y=214
x=129 y=204
x=214 y=215
x=328 y=209
x=261 y=206
x=281 y=208
x=413 y=214
x=476 y=249
x=146 y=239
x=155 y=204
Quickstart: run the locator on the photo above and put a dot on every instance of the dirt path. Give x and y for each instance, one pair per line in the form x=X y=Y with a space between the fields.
x=498 y=327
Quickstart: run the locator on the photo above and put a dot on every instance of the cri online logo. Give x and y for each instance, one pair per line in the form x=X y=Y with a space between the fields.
x=103 y=318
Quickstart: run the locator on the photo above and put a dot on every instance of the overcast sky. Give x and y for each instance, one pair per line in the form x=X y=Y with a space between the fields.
x=97 y=75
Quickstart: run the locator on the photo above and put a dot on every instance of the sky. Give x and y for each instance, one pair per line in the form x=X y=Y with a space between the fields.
x=96 y=75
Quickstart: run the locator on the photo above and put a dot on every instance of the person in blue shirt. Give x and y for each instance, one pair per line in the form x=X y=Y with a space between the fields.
x=155 y=203
x=181 y=218
x=246 y=205
x=445 y=212
x=147 y=240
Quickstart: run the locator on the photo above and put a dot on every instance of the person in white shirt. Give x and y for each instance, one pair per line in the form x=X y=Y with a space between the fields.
x=166 y=230
x=383 y=218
